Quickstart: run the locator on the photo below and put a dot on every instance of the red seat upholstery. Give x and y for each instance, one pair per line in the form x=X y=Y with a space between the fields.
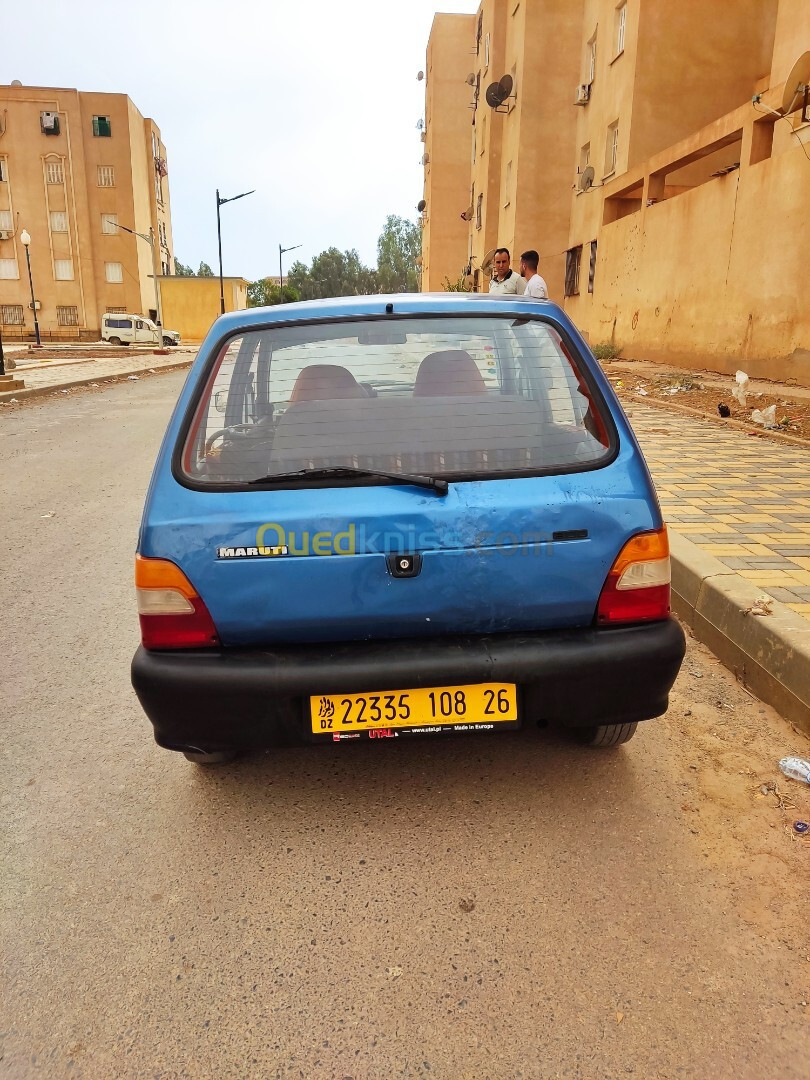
x=447 y=373
x=323 y=382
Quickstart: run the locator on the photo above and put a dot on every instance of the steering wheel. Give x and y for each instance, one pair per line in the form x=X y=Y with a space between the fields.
x=209 y=442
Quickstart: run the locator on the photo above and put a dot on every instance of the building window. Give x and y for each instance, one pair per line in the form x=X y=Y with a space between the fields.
x=478 y=33
x=621 y=27
x=486 y=51
x=12 y=315
x=59 y=221
x=572 y=260
x=106 y=176
x=114 y=272
x=49 y=123
x=63 y=269
x=612 y=148
x=479 y=212
x=6 y=224
x=54 y=173
x=507 y=184
x=109 y=224
x=591 y=60
x=67 y=315
x=592 y=266
x=3 y=170
x=102 y=126
x=116 y=310
x=8 y=270
x=584 y=157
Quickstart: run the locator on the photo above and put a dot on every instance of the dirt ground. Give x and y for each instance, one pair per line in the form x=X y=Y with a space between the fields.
x=705 y=392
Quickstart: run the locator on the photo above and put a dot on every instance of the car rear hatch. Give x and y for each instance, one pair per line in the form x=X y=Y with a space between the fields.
x=545 y=483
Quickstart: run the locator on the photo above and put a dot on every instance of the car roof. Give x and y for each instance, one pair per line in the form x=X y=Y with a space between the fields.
x=342 y=307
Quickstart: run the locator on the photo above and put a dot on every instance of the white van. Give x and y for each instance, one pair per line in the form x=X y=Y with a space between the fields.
x=121 y=329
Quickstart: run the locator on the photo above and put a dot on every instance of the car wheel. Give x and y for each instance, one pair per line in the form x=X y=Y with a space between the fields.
x=216 y=757
x=115 y=340
x=605 y=735
x=167 y=341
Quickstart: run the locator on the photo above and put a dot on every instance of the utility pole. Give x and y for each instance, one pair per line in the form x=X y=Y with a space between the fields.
x=221 y=202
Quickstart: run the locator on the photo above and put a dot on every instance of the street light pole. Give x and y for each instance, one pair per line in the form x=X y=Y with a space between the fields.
x=150 y=239
x=25 y=240
x=282 y=251
x=221 y=202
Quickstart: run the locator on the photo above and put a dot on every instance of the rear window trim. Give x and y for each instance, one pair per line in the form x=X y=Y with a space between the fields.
x=302 y=484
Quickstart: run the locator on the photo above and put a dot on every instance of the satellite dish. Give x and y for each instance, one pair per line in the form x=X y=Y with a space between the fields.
x=470 y=80
x=505 y=87
x=493 y=95
x=796 y=84
x=469 y=281
x=16 y=82
x=486 y=265
x=419 y=76
x=421 y=206
x=468 y=213
x=586 y=178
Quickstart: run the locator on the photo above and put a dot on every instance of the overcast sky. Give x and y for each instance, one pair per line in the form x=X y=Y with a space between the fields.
x=314 y=104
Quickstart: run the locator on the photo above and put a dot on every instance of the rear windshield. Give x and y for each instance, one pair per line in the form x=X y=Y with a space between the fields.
x=461 y=398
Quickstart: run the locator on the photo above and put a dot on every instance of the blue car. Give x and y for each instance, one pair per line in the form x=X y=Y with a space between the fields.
x=394 y=517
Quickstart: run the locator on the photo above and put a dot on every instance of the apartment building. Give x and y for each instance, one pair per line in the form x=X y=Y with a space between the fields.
x=655 y=136
x=77 y=170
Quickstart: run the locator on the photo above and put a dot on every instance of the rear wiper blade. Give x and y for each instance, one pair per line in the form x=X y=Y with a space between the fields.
x=337 y=471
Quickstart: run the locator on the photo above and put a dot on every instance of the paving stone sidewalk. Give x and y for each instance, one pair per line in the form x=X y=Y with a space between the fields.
x=744 y=500
x=45 y=375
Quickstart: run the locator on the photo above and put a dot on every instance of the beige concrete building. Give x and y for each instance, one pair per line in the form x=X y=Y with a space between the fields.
x=191 y=304
x=446 y=140
x=73 y=167
x=687 y=203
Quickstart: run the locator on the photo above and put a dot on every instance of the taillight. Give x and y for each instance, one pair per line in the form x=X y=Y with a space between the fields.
x=637 y=587
x=171 y=612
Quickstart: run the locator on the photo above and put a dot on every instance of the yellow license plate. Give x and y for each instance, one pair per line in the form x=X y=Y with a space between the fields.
x=479 y=706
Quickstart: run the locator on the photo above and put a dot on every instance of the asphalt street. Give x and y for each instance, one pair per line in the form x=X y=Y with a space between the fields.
x=505 y=906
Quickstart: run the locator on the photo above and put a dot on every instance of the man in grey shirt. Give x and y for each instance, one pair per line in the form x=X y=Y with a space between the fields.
x=505 y=282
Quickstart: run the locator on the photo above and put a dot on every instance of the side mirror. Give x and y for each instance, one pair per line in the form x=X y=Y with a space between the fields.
x=221 y=400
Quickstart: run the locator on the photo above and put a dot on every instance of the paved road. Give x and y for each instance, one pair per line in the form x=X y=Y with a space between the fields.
x=496 y=908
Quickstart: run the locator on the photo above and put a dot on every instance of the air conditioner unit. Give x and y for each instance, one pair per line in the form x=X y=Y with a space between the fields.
x=4 y=235
x=426 y=159
x=38 y=305
x=583 y=94
x=49 y=122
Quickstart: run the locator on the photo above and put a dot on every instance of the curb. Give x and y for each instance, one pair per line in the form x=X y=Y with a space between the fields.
x=54 y=388
x=743 y=427
x=769 y=654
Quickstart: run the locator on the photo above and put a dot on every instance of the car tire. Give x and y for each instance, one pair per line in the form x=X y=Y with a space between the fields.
x=167 y=341
x=607 y=735
x=114 y=340
x=216 y=757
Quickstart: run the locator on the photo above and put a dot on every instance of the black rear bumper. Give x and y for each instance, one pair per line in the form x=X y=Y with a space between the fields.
x=250 y=697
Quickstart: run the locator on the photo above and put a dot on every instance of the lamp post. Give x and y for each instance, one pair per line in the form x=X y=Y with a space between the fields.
x=25 y=240
x=221 y=202
x=150 y=239
x=282 y=251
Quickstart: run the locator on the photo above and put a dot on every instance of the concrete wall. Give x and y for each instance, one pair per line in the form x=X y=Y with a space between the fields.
x=713 y=277
x=191 y=304
x=448 y=145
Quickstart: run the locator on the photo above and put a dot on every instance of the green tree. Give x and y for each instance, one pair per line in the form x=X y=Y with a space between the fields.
x=332 y=273
x=265 y=292
x=456 y=286
x=181 y=270
x=398 y=248
x=205 y=270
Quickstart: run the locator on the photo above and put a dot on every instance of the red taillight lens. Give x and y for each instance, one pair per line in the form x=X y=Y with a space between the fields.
x=172 y=614
x=637 y=588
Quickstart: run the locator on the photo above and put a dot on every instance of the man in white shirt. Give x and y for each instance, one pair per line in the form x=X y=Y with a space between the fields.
x=536 y=288
x=505 y=282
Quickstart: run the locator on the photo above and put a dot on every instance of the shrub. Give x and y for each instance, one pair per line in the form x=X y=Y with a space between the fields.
x=606 y=350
